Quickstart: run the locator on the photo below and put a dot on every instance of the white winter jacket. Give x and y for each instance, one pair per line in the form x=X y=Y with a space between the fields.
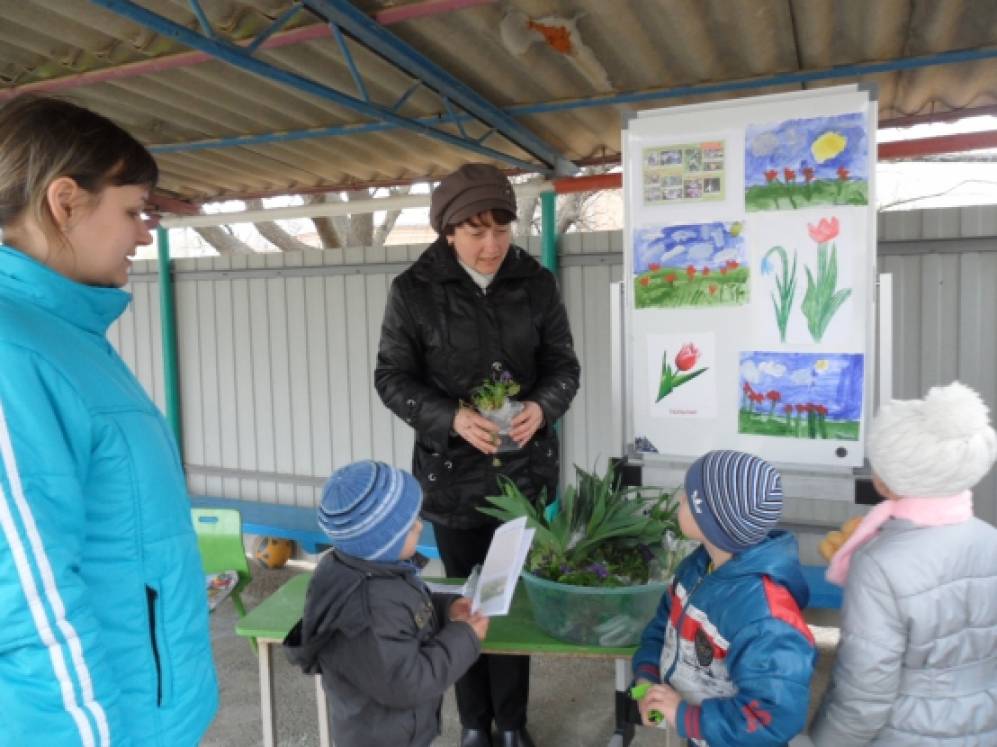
x=917 y=663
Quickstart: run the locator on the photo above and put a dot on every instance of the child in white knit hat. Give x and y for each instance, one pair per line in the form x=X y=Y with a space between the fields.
x=917 y=662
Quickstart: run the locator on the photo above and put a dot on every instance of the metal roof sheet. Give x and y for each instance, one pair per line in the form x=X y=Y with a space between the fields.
x=524 y=56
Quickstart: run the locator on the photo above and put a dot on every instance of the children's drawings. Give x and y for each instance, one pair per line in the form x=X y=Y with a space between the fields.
x=806 y=274
x=801 y=395
x=800 y=163
x=692 y=172
x=704 y=264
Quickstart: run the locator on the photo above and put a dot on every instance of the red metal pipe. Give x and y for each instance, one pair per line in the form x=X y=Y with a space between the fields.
x=933 y=146
x=189 y=59
x=165 y=204
x=587 y=183
x=423 y=9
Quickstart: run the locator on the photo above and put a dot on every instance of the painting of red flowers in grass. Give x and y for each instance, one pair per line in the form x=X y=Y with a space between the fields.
x=801 y=395
x=696 y=265
x=800 y=163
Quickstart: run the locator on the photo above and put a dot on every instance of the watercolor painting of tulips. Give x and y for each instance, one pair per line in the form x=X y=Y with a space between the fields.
x=822 y=299
x=690 y=266
x=800 y=163
x=801 y=395
x=808 y=283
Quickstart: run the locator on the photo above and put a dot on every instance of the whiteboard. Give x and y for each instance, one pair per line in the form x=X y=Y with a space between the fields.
x=749 y=271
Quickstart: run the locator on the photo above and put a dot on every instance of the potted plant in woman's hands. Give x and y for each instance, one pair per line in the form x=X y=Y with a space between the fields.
x=493 y=399
x=601 y=556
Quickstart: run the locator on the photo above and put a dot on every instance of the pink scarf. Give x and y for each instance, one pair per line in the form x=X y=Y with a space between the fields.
x=928 y=512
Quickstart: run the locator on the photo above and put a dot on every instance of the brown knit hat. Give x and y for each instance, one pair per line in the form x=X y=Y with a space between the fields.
x=471 y=189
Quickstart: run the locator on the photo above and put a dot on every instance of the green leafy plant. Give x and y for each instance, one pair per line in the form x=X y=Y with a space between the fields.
x=598 y=534
x=492 y=394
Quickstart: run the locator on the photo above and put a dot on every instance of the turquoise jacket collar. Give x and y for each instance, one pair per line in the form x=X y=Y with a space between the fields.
x=90 y=308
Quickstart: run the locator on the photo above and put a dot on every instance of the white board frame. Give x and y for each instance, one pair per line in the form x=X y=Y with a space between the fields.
x=674 y=125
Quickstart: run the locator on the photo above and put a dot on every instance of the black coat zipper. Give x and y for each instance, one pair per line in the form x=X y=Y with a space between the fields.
x=150 y=597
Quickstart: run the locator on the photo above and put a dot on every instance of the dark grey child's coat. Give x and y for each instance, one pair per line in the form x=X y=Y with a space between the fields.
x=385 y=649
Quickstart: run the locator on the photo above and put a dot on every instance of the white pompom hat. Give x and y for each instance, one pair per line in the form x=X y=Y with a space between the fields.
x=936 y=446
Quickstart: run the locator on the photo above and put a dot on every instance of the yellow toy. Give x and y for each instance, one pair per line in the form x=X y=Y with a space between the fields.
x=834 y=540
x=273 y=552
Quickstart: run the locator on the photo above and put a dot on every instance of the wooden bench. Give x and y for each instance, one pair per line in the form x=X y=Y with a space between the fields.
x=293 y=522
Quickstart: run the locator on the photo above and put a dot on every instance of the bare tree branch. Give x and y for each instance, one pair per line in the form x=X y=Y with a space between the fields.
x=526 y=210
x=328 y=232
x=383 y=230
x=888 y=205
x=224 y=241
x=275 y=234
x=361 y=226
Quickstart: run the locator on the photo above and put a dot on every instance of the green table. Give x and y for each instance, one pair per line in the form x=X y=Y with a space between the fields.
x=515 y=633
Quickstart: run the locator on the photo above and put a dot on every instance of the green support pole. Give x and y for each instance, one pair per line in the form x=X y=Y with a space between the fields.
x=548 y=242
x=168 y=318
x=548 y=230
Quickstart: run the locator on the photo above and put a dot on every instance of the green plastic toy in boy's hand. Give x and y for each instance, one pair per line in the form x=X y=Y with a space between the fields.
x=637 y=692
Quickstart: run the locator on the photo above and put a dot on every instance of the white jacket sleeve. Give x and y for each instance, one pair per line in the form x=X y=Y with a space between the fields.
x=866 y=677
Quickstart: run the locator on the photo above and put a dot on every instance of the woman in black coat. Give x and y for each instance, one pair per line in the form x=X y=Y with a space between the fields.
x=471 y=308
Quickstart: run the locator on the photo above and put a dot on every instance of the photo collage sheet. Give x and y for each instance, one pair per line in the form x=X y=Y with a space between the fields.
x=751 y=269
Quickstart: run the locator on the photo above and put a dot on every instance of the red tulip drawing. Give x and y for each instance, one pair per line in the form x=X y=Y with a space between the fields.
x=823 y=298
x=825 y=230
x=671 y=378
x=771 y=175
x=687 y=356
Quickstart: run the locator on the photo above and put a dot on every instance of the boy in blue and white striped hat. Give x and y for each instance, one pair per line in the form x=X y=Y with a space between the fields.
x=387 y=649
x=728 y=655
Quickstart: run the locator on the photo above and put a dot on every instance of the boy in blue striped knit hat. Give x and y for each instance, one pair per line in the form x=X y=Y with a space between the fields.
x=728 y=657
x=387 y=649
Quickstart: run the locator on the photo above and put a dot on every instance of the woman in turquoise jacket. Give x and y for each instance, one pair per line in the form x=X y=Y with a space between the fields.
x=103 y=619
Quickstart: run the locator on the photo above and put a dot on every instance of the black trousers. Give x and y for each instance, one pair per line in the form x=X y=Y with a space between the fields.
x=496 y=687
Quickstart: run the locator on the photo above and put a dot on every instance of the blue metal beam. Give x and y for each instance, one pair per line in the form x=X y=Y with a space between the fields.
x=405 y=96
x=279 y=23
x=636 y=97
x=377 y=38
x=236 y=56
x=350 y=64
x=202 y=18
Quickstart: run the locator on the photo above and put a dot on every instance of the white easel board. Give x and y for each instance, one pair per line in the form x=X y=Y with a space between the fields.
x=749 y=277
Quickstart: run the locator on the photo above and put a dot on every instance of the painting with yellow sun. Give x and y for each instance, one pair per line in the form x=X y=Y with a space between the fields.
x=800 y=163
x=801 y=395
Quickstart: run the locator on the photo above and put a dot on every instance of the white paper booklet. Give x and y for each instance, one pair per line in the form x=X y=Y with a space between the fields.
x=503 y=563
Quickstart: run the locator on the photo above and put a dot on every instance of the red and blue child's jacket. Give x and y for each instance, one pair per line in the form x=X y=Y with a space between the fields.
x=734 y=645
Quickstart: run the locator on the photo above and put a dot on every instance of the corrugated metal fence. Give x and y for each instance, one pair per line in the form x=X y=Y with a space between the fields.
x=277 y=350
